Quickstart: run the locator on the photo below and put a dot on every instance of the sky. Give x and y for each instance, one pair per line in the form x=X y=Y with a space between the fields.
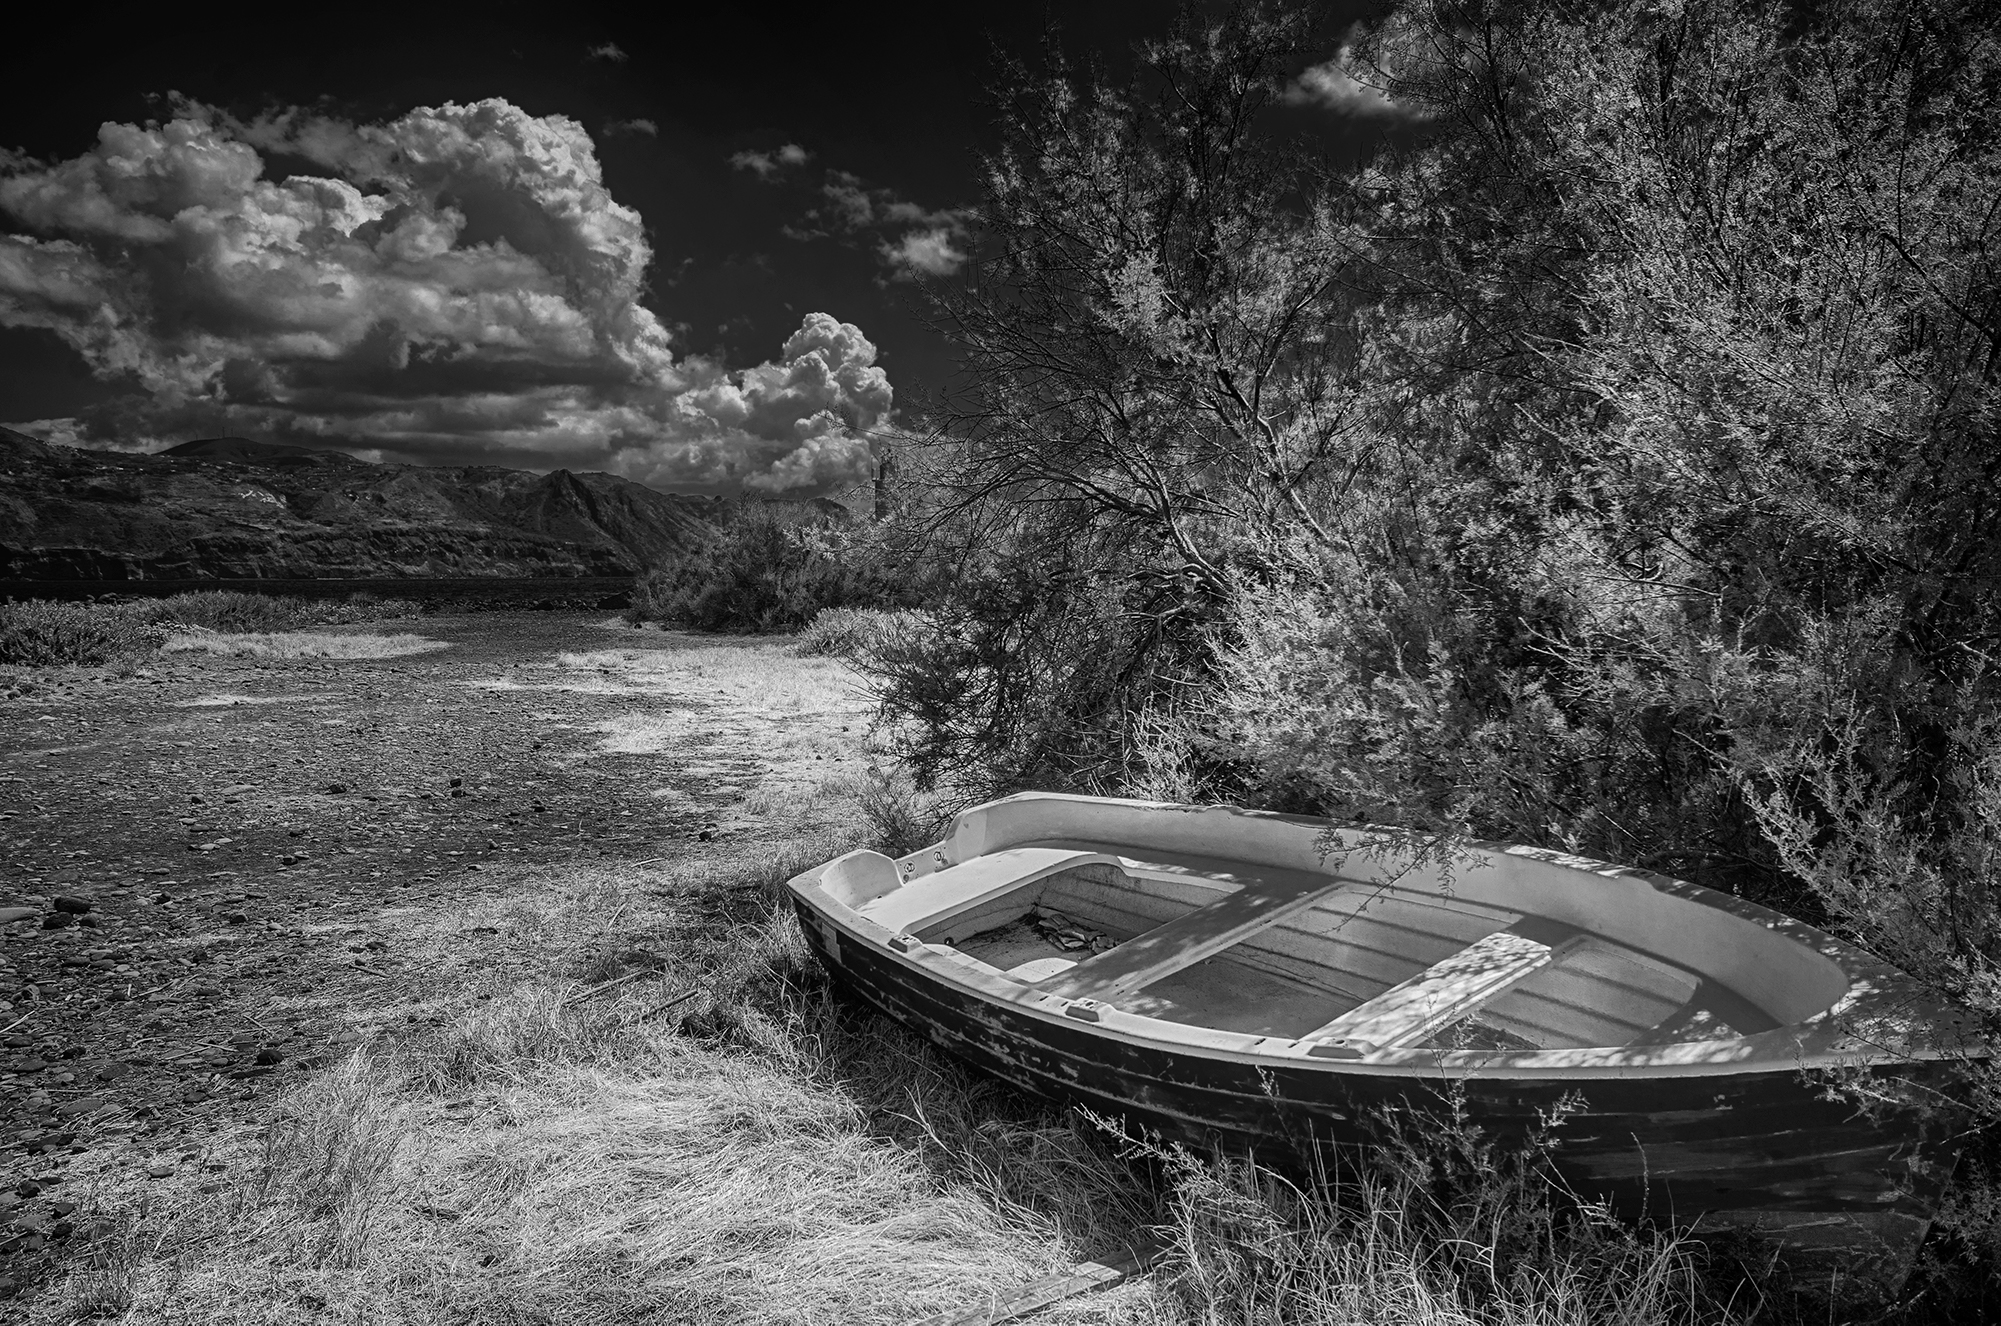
x=690 y=247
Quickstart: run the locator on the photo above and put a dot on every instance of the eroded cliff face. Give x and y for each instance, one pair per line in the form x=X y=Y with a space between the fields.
x=231 y=508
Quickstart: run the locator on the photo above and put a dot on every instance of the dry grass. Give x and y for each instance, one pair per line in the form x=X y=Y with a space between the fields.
x=764 y=675
x=300 y=644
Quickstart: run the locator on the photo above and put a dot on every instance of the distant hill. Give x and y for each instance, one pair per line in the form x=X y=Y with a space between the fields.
x=230 y=508
x=244 y=451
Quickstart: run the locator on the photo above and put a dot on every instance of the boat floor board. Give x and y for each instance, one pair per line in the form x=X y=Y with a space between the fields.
x=944 y=894
x=1206 y=931
x=1228 y=995
x=1598 y=994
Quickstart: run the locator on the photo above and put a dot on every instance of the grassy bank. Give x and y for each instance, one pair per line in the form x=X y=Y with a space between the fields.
x=667 y=1115
x=580 y=1148
x=594 y=1090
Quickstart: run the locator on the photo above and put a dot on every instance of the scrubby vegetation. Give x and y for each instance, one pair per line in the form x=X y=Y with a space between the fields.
x=766 y=571
x=39 y=633
x=232 y=611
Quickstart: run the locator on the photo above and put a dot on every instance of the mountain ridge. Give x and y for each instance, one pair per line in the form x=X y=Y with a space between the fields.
x=236 y=508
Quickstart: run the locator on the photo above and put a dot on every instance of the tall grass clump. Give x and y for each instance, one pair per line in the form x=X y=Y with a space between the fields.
x=326 y=1182
x=40 y=634
x=856 y=633
x=764 y=572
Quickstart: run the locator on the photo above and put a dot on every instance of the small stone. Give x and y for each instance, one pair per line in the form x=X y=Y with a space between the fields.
x=237 y=918
x=270 y=1055
x=159 y=1171
x=58 y=921
x=336 y=788
x=27 y=1188
x=11 y=914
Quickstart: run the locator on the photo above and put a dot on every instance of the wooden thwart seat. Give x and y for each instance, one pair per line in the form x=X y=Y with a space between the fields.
x=1407 y=1013
x=1200 y=934
x=936 y=898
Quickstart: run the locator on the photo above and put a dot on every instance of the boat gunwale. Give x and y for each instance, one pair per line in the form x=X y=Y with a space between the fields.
x=1877 y=993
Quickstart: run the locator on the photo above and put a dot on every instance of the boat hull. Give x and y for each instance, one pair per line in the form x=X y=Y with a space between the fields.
x=1765 y=1150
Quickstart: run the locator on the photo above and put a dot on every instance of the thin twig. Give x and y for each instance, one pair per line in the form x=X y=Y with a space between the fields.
x=681 y=998
x=600 y=988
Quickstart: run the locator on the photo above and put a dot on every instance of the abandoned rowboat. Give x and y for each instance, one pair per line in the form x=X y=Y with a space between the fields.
x=1248 y=979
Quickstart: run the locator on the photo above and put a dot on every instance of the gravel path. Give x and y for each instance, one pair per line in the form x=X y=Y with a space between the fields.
x=233 y=869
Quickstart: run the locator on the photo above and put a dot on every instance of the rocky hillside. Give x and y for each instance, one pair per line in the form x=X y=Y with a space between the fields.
x=234 y=508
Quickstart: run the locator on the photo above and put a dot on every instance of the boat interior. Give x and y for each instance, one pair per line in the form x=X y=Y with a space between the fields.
x=1352 y=966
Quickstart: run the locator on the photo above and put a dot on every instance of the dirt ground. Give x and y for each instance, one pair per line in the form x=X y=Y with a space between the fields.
x=239 y=868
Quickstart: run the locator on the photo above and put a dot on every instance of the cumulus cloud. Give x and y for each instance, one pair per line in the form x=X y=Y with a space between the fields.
x=766 y=165
x=613 y=128
x=457 y=284
x=608 y=51
x=912 y=241
x=1334 y=86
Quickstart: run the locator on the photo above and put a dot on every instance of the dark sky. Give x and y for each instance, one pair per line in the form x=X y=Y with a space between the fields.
x=885 y=101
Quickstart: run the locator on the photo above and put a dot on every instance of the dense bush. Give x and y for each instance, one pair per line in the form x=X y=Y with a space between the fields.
x=43 y=634
x=1607 y=462
x=764 y=572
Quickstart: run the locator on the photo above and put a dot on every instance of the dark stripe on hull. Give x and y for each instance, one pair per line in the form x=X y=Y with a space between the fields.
x=1673 y=1147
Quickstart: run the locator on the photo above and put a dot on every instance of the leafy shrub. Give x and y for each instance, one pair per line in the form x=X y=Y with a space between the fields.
x=765 y=573
x=38 y=633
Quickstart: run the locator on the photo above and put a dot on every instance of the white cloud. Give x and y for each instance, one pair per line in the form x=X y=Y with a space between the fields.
x=613 y=128
x=928 y=243
x=608 y=51
x=766 y=165
x=922 y=253
x=458 y=284
x=1334 y=86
